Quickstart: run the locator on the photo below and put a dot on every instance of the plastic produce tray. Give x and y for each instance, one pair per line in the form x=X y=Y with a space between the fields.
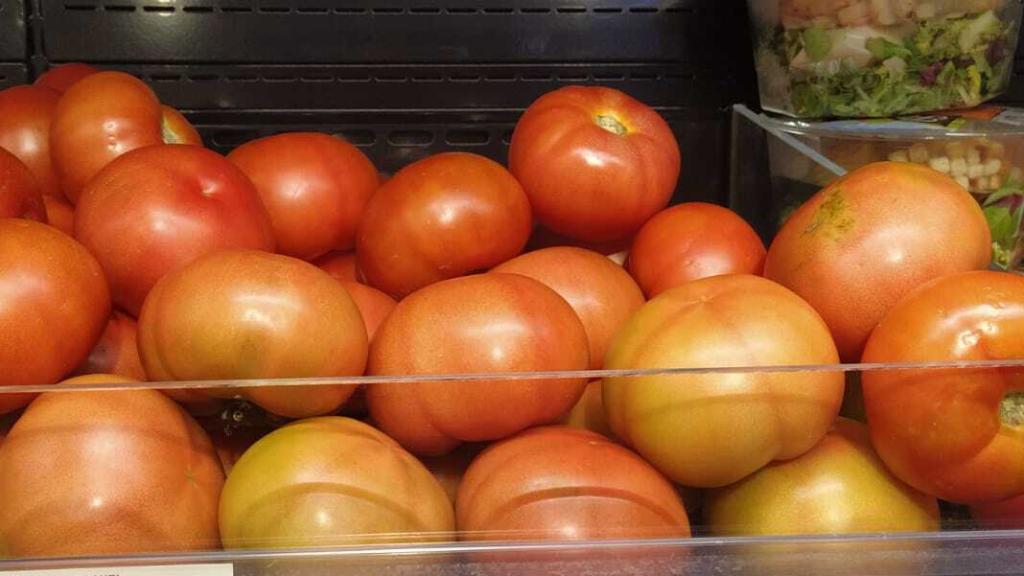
x=13 y=43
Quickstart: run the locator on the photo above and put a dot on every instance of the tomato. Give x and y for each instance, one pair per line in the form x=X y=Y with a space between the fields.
x=19 y=194
x=1005 y=514
x=54 y=303
x=59 y=214
x=709 y=430
x=116 y=352
x=450 y=468
x=558 y=483
x=158 y=208
x=328 y=482
x=238 y=315
x=374 y=305
x=482 y=323
x=103 y=116
x=231 y=444
x=838 y=487
x=869 y=238
x=615 y=250
x=595 y=162
x=25 y=116
x=589 y=413
x=951 y=433
x=341 y=265
x=94 y=476
x=438 y=218
x=600 y=292
x=60 y=78
x=314 y=186
x=692 y=241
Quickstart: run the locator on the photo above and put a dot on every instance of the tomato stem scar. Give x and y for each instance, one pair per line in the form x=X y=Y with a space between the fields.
x=611 y=124
x=1011 y=409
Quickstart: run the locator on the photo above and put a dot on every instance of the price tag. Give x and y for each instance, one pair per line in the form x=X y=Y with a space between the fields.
x=169 y=570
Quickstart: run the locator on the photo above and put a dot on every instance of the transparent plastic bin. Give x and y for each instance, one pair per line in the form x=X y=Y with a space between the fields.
x=881 y=58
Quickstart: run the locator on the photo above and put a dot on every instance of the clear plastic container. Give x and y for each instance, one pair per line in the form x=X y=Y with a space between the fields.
x=881 y=58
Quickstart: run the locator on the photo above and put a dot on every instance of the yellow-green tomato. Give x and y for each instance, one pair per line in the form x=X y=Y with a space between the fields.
x=838 y=487
x=331 y=481
x=712 y=429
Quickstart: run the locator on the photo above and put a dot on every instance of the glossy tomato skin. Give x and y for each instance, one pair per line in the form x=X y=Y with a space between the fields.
x=60 y=78
x=589 y=413
x=441 y=217
x=559 y=483
x=483 y=323
x=595 y=162
x=869 y=238
x=330 y=481
x=692 y=241
x=314 y=186
x=941 y=430
x=56 y=303
x=117 y=351
x=237 y=315
x=59 y=214
x=58 y=462
x=600 y=292
x=158 y=208
x=19 y=193
x=374 y=305
x=340 y=265
x=838 y=487
x=710 y=430
x=25 y=116
x=101 y=117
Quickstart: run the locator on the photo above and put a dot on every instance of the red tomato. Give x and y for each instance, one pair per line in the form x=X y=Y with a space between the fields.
x=25 y=116
x=314 y=186
x=102 y=117
x=710 y=430
x=330 y=482
x=869 y=238
x=951 y=433
x=1002 y=515
x=55 y=305
x=441 y=217
x=59 y=214
x=374 y=305
x=838 y=487
x=59 y=462
x=595 y=162
x=692 y=241
x=60 y=78
x=558 y=483
x=600 y=292
x=158 y=208
x=19 y=193
x=340 y=265
x=117 y=351
x=239 y=315
x=483 y=323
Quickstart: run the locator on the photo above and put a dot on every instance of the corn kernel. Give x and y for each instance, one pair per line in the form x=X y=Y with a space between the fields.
x=993 y=166
x=919 y=153
x=994 y=182
x=973 y=156
x=963 y=181
x=975 y=171
x=940 y=163
x=979 y=184
x=995 y=150
x=899 y=156
x=958 y=167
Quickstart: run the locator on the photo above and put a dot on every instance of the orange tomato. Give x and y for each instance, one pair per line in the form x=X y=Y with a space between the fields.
x=374 y=305
x=60 y=78
x=483 y=323
x=589 y=412
x=558 y=483
x=59 y=214
x=55 y=305
x=953 y=433
x=692 y=241
x=341 y=265
x=600 y=292
x=329 y=482
x=314 y=186
x=438 y=218
x=869 y=238
x=25 y=116
x=595 y=162
x=710 y=430
x=19 y=194
x=237 y=315
x=116 y=352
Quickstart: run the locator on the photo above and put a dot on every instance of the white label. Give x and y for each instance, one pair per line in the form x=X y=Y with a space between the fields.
x=169 y=570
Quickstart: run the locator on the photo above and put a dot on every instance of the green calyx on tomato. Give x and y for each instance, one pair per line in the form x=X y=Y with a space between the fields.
x=832 y=217
x=611 y=124
x=1011 y=409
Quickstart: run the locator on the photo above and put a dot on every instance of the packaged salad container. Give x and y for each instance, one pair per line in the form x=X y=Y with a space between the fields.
x=982 y=149
x=881 y=58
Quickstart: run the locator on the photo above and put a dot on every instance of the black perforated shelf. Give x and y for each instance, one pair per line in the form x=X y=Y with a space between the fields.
x=13 y=43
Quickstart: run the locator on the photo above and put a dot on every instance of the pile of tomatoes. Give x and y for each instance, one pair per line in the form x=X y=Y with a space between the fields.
x=480 y=298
